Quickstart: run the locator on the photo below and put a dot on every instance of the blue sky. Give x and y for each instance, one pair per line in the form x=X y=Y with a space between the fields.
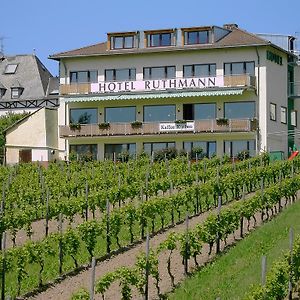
x=59 y=25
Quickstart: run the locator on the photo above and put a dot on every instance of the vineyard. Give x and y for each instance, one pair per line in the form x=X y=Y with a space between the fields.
x=57 y=222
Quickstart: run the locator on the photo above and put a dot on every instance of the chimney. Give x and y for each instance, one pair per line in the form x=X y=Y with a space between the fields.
x=230 y=26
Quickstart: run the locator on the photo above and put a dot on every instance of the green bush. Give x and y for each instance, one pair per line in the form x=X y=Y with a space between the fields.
x=167 y=153
x=82 y=294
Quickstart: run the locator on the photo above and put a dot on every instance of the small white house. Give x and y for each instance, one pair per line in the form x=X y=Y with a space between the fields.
x=33 y=138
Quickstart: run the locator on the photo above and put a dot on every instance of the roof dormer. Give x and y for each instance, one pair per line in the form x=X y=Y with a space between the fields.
x=16 y=90
x=2 y=90
x=121 y=40
x=159 y=38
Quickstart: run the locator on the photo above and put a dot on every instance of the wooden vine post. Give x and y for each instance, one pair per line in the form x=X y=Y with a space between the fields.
x=263 y=270
x=242 y=219
x=86 y=200
x=146 y=184
x=92 y=286
x=262 y=196
x=147 y=267
x=218 y=233
x=291 y=234
x=108 y=242
x=3 y=266
x=47 y=214
x=60 y=244
x=186 y=261
x=2 y=207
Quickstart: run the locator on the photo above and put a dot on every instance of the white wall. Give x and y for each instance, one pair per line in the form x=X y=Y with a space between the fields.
x=277 y=93
x=271 y=80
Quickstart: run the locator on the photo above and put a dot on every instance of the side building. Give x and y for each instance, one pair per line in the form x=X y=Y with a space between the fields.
x=219 y=88
x=26 y=86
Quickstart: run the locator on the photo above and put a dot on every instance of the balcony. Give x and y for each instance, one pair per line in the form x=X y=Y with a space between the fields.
x=175 y=84
x=294 y=90
x=79 y=88
x=123 y=129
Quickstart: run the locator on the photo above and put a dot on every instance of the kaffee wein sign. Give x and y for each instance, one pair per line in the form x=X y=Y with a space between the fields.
x=157 y=85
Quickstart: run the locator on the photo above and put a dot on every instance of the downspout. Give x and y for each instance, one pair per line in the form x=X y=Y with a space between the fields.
x=258 y=139
x=65 y=75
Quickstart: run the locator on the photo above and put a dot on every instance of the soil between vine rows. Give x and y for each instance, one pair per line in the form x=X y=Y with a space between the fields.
x=68 y=286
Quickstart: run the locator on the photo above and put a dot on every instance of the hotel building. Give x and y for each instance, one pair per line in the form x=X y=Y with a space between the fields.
x=219 y=88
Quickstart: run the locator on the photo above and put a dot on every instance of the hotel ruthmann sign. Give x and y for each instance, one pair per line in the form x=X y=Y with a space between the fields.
x=157 y=85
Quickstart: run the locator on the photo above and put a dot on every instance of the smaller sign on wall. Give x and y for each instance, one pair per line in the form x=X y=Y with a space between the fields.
x=187 y=126
x=274 y=57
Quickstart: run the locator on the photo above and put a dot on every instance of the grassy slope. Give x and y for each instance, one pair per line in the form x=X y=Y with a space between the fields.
x=232 y=274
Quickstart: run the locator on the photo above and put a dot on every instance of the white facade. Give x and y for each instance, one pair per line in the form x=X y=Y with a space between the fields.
x=33 y=138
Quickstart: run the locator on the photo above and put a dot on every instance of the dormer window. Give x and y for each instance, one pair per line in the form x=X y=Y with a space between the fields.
x=159 y=39
x=11 y=69
x=2 y=92
x=16 y=92
x=197 y=37
x=122 y=41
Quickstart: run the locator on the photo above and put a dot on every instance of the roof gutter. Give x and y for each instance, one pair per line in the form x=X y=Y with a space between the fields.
x=149 y=51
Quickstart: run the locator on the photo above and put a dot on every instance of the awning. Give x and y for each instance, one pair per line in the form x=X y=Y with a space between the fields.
x=156 y=95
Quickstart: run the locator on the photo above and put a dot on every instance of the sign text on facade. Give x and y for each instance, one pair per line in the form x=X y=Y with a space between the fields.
x=156 y=85
x=188 y=126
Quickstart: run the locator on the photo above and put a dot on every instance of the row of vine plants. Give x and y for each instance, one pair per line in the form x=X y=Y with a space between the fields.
x=217 y=227
x=92 y=198
x=125 y=225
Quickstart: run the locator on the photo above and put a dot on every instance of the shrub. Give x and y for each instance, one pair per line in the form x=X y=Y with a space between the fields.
x=167 y=153
x=243 y=155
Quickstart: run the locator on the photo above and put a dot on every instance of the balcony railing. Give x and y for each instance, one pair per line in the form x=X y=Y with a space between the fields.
x=294 y=89
x=243 y=80
x=122 y=129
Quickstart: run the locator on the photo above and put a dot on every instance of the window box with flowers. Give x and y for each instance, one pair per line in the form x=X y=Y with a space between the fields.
x=75 y=126
x=104 y=125
x=136 y=124
x=222 y=122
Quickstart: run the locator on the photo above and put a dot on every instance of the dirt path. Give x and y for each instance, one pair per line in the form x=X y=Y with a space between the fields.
x=67 y=287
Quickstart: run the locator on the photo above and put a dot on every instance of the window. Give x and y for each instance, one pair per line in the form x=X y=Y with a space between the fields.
x=83 y=116
x=239 y=110
x=120 y=114
x=159 y=39
x=201 y=111
x=2 y=91
x=85 y=151
x=122 y=42
x=273 y=111
x=153 y=147
x=159 y=113
x=83 y=76
x=159 y=72
x=294 y=118
x=120 y=74
x=283 y=115
x=238 y=68
x=233 y=148
x=119 y=151
x=209 y=149
x=204 y=111
x=205 y=70
x=10 y=69
x=16 y=92
x=197 y=37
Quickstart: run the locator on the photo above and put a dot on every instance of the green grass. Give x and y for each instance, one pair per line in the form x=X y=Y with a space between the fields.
x=232 y=274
